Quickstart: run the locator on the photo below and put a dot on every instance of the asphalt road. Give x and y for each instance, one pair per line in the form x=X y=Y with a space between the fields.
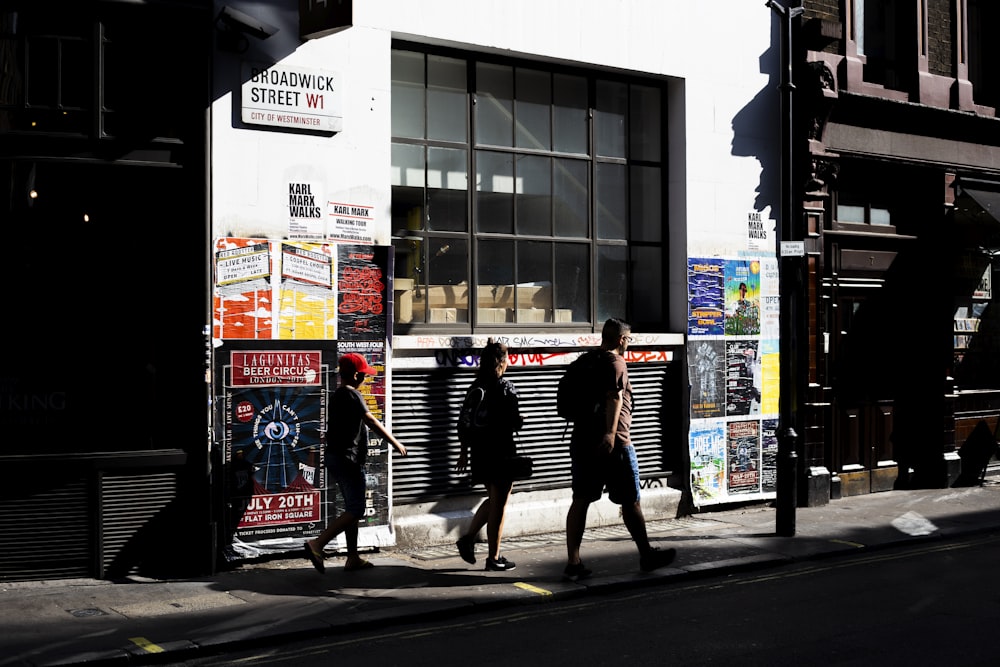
x=922 y=604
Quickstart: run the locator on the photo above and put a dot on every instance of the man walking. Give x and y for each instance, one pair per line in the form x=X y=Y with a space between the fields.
x=602 y=457
x=347 y=440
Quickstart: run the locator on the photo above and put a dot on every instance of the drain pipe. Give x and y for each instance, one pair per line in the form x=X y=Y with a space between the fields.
x=791 y=253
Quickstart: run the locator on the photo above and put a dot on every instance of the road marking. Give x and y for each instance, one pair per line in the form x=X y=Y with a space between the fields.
x=848 y=543
x=146 y=645
x=532 y=589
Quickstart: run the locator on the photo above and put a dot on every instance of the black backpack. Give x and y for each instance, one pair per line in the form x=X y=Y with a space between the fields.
x=474 y=417
x=578 y=395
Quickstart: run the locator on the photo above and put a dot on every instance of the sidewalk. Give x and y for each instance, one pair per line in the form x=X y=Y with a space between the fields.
x=139 y=620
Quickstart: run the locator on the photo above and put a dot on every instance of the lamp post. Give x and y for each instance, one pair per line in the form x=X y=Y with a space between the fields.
x=790 y=280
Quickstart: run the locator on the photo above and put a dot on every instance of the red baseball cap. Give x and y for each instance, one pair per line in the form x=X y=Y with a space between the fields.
x=353 y=362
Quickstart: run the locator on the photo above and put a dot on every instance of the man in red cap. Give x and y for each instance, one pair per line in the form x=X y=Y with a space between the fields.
x=346 y=450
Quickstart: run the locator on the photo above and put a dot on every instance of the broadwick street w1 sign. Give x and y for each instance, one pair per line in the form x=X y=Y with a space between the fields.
x=292 y=97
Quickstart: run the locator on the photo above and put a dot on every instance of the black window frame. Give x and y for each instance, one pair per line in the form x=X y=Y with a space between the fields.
x=418 y=250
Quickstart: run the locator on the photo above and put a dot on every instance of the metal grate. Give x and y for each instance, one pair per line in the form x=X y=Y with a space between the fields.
x=46 y=532
x=425 y=407
x=132 y=507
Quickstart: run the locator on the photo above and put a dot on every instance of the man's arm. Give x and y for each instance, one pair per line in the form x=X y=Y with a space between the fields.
x=612 y=410
x=379 y=428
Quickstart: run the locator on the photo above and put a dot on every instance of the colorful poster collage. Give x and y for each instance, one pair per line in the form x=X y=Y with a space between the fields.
x=733 y=366
x=283 y=314
x=275 y=407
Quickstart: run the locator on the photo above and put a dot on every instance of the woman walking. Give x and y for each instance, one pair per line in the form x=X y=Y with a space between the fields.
x=490 y=416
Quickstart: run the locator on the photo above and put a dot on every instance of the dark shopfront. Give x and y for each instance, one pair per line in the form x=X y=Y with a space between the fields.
x=103 y=398
x=909 y=361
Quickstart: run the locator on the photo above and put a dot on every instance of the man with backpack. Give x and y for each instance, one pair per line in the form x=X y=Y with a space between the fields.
x=602 y=455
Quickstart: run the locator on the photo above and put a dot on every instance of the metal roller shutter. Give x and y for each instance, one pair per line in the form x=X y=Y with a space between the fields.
x=131 y=504
x=47 y=532
x=425 y=404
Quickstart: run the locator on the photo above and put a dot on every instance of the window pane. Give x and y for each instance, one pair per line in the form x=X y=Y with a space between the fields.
x=447 y=189
x=534 y=195
x=447 y=281
x=408 y=280
x=846 y=213
x=495 y=192
x=645 y=214
x=407 y=221
x=494 y=105
x=572 y=283
x=644 y=124
x=880 y=216
x=534 y=282
x=609 y=118
x=572 y=191
x=408 y=165
x=407 y=189
x=610 y=210
x=647 y=284
x=570 y=114
x=612 y=281
x=43 y=71
x=533 y=109
x=76 y=77
x=446 y=99
x=495 y=279
x=407 y=94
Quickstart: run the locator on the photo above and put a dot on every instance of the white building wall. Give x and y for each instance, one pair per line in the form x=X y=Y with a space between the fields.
x=720 y=59
x=720 y=52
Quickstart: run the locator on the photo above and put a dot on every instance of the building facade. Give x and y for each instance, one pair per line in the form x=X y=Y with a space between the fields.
x=270 y=184
x=899 y=157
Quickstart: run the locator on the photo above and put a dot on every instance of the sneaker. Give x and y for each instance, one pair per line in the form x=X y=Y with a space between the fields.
x=499 y=565
x=467 y=549
x=655 y=559
x=576 y=572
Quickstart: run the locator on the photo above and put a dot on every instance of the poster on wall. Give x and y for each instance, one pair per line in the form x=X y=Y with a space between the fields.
x=707 y=371
x=706 y=296
x=743 y=456
x=743 y=379
x=362 y=292
x=275 y=400
x=769 y=456
x=284 y=310
x=307 y=302
x=708 y=461
x=351 y=222
x=734 y=375
x=742 y=297
x=242 y=296
x=306 y=210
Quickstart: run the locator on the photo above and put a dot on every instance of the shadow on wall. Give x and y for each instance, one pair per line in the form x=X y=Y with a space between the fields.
x=757 y=127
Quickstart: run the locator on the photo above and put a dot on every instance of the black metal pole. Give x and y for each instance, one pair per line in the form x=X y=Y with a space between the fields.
x=790 y=282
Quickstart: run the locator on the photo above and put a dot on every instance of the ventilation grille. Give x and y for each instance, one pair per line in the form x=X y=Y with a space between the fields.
x=46 y=533
x=425 y=405
x=133 y=510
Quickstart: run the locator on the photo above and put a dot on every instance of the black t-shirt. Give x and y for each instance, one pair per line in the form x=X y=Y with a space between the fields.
x=347 y=432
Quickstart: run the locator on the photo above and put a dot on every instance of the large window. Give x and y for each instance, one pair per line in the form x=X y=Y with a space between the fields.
x=984 y=52
x=523 y=195
x=50 y=59
x=886 y=33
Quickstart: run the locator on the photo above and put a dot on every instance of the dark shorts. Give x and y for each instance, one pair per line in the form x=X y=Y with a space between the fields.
x=350 y=477
x=618 y=472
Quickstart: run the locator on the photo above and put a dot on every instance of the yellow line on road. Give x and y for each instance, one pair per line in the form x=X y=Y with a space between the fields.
x=848 y=543
x=146 y=645
x=532 y=589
